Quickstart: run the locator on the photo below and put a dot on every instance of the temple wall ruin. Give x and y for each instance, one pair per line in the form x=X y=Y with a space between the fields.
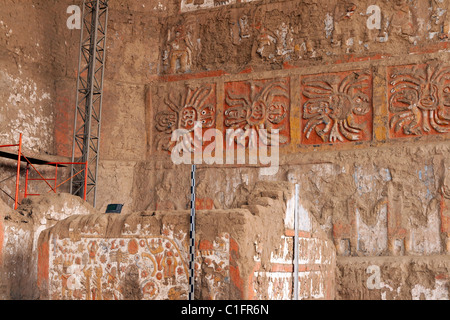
x=145 y=256
x=358 y=90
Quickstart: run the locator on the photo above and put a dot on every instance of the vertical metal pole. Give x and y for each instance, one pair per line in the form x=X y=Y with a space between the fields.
x=16 y=204
x=296 y=242
x=100 y=105
x=85 y=181
x=90 y=81
x=75 y=126
x=86 y=150
x=26 y=180
x=192 y=238
x=56 y=177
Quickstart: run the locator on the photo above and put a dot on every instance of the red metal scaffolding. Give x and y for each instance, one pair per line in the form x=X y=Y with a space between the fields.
x=30 y=161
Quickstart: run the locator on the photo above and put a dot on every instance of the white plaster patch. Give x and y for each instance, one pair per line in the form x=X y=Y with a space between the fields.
x=440 y=291
x=329 y=25
x=304 y=218
x=192 y=5
x=375 y=238
x=189 y=5
x=160 y=7
x=311 y=285
x=26 y=105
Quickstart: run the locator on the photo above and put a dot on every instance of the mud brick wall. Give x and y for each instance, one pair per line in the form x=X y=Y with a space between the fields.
x=3 y=289
x=219 y=47
x=26 y=83
x=144 y=256
x=362 y=112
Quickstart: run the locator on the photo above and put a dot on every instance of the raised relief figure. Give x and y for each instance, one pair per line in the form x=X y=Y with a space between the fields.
x=420 y=99
x=258 y=105
x=276 y=45
x=180 y=50
x=343 y=29
x=445 y=193
x=336 y=107
x=240 y=29
x=196 y=104
x=400 y=21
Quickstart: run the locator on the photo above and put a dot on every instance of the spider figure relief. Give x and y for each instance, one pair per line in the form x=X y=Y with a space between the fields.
x=337 y=107
x=183 y=112
x=257 y=108
x=419 y=100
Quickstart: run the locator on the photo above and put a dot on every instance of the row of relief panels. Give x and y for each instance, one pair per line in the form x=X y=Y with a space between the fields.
x=327 y=108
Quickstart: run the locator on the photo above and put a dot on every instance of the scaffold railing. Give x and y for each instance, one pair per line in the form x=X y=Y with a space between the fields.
x=31 y=167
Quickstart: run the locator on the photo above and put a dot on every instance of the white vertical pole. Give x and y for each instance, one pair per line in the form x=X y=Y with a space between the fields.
x=296 y=242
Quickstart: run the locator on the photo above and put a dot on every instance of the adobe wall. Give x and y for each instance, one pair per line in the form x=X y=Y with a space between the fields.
x=33 y=93
x=362 y=110
x=16 y=240
x=244 y=253
x=375 y=176
x=393 y=278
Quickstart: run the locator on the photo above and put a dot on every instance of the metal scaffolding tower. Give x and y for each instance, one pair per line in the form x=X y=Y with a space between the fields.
x=91 y=67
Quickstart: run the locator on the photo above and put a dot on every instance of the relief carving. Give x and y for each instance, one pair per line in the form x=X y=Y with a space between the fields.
x=277 y=44
x=337 y=107
x=181 y=49
x=420 y=100
x=240 y=29
x=255 y=105
x=283 y=38
x=196 y=104
x=445 y=196
x=439 y=18
x=400 y=21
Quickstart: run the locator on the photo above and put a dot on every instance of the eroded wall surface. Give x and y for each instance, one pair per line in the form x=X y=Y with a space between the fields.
x=16 y=240
x=34 y=96
x=358 y=90
x=399 y=278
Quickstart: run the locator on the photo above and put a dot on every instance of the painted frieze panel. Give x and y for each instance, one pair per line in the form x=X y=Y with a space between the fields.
x=337 y=107
x=152 y=268
x=181 y=109
x=258 y=104
x=419 y=100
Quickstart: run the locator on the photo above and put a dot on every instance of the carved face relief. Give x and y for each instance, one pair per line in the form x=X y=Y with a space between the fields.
x=337 y=107
x=196 y=104
x=420 y=100
x=258 y=105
